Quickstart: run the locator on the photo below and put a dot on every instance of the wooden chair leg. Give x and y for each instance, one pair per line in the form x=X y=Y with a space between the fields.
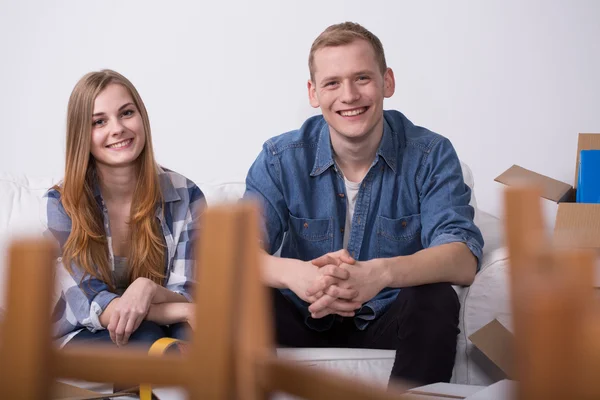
x=211 y=353
x=552 y=295
x=254 y=334
x=26 y=341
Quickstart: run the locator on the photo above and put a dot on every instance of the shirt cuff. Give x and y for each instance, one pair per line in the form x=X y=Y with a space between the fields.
x=471 y=243
x=187 y=296
x=97 y=307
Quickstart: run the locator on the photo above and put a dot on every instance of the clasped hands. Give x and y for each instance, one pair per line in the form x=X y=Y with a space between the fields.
x=336 y=283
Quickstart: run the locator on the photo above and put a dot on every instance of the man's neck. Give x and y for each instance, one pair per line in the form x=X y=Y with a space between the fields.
x=355 y=157
x=117 y=184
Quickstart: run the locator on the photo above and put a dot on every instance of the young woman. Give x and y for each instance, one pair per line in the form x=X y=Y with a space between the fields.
x=126 y=227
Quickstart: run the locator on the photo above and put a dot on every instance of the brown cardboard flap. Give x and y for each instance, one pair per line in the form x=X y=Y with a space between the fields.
x=577 y=225
x=586 y=141
x=551 y=188
x=496 y=342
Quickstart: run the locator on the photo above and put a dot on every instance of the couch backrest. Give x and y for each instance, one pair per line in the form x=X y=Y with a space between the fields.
x=21 y=206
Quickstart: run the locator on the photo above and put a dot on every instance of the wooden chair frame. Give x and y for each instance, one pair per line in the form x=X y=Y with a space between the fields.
x=232 y=353
x=556 y=313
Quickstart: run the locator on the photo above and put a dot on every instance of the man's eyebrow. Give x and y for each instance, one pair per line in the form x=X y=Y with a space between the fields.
x=329 y=78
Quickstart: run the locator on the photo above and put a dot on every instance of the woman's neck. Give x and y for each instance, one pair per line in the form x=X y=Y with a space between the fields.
x=117 y=184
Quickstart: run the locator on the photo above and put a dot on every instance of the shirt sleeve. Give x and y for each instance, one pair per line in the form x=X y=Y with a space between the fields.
x=446 y=215
x=181 y=277
x=263 y=183
x=82 y=298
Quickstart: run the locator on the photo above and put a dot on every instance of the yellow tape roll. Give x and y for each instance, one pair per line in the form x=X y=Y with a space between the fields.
x=158 y=348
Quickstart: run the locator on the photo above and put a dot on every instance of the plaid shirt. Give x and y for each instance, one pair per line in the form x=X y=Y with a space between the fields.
x=80 y=298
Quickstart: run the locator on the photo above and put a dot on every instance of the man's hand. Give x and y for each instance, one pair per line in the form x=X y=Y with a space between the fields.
x=366 y=277
x=328 y=282
x=130 y=310
x=306 y=274
x=334 y=295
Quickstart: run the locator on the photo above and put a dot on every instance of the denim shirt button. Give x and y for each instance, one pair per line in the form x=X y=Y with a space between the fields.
x=342 y=195
x=342 y=230
x=305 y=225
x=404 y=224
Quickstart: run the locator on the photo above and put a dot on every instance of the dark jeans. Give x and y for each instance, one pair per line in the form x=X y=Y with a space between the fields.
x=421 y=325
x=143 y=337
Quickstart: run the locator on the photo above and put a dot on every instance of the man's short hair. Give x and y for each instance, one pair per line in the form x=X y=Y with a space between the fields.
x=342 y=34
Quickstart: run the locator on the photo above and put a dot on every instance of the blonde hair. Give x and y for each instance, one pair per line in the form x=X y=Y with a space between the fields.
x=342 y=34
x=87 y=245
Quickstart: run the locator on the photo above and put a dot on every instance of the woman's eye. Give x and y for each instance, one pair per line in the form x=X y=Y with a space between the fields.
x=98 y=122
x=128 y=113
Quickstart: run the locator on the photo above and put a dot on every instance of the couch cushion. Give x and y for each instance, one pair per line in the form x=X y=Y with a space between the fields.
x=228 y=192
x=20 y=206
x=374 y=366
x=20 y=200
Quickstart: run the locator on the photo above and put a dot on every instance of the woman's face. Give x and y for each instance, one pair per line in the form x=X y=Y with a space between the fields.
x=118 y=135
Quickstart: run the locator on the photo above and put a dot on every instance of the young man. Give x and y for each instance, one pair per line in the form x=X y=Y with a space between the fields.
x=374 y=217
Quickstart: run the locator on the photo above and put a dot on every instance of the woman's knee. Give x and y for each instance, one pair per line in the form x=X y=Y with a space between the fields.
x=147 y=333
x=180 y=331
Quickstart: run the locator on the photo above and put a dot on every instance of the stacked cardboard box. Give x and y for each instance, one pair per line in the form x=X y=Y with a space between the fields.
x=577 y=224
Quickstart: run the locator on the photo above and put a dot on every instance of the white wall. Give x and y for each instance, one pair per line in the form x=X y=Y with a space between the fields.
x=507 y=81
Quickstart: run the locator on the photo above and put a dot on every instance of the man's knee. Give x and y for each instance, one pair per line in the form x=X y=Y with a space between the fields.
x=435 y=298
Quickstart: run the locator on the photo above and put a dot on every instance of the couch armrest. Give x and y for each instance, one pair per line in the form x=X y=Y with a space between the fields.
x=492 y=231
x=488 y=298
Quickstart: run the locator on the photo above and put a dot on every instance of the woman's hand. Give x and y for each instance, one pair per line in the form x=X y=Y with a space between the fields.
x=130 y=310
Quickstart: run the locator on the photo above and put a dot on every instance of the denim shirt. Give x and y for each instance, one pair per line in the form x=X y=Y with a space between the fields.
x=413 y=197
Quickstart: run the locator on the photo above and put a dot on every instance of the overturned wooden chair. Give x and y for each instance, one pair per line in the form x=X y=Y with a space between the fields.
x=556 y=312
x=232 y=353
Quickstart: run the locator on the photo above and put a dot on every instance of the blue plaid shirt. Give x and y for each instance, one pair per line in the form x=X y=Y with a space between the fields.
x=83 y=298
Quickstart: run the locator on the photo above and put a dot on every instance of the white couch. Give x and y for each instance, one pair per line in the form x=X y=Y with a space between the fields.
x=486 y=299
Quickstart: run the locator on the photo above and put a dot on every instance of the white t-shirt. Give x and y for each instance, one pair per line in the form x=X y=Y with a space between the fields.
x=351 y=196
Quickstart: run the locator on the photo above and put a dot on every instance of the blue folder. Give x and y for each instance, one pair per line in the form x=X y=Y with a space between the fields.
x=588 y=182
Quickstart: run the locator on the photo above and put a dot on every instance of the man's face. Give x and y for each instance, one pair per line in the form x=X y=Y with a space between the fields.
x=349 y=88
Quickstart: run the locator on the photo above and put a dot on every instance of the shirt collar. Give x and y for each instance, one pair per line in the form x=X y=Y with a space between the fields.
x=324 y=155
x=388 y=148
x=169 y=192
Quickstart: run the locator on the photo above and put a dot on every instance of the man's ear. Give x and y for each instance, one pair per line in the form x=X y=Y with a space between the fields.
x=389 y=83
x=312 y=94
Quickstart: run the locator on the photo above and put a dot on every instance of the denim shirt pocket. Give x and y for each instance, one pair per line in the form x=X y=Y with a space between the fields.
x=398 y=236
x=311 y=237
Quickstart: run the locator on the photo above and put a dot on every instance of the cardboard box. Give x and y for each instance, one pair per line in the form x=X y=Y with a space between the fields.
x=577 y=224
x=442 y=391
x=496 y=342
x=64 y=391
x=501 y=390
